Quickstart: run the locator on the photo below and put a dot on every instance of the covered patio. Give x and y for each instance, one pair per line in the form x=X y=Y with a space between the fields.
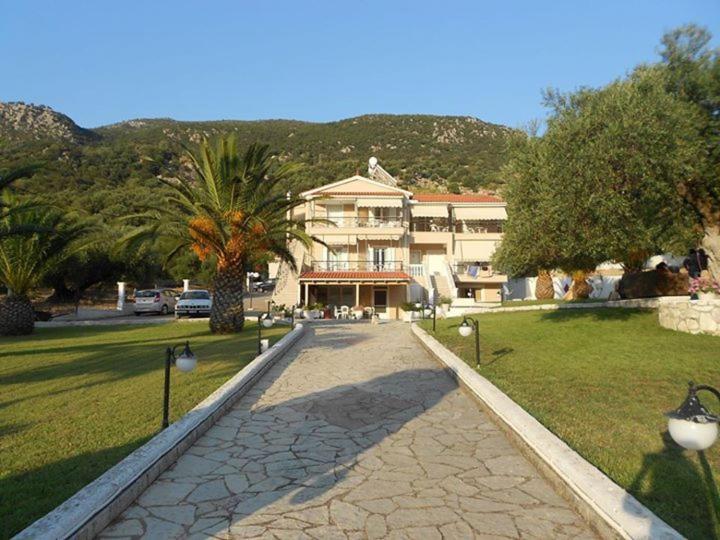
x=382 y=291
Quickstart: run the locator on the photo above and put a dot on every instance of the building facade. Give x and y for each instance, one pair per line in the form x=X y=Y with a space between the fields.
x=385 y=246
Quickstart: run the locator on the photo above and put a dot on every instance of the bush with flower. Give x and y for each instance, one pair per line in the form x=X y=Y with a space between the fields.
x=704 y=285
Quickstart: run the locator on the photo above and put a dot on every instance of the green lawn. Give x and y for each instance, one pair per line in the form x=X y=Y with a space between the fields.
x=74 y=401
x=600 y=379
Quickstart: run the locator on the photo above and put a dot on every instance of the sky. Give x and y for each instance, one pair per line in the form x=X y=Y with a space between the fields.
x=103 y=62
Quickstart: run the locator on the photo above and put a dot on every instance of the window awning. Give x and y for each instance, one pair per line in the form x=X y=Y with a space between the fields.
x=430 y=211
x=339 y=239
x=380 y=202
x=489 y=213
x=380 y=236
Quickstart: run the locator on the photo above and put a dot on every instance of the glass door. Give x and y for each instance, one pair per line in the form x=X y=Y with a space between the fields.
x=337 y=259
x=380 y=300
x=379 y=258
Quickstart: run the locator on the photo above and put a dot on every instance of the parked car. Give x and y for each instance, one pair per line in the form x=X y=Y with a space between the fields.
x=160 y=301
x=265 y=286
x=197 y=302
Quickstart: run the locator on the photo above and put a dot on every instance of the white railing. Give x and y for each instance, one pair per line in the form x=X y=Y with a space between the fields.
x=417 y=270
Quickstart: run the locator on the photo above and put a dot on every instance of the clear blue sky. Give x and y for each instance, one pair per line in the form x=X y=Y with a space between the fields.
x=102 y=62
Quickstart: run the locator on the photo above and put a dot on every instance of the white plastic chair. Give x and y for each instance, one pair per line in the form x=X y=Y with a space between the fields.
x=337 y=313
x=345 y=312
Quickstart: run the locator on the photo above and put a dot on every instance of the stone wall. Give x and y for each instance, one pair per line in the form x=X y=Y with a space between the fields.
x=696 y=317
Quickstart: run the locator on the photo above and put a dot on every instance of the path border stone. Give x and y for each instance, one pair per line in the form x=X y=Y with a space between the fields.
x=96 y=505
x=611 y=510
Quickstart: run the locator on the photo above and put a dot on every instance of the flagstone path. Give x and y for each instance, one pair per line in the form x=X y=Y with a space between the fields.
x=356 y=433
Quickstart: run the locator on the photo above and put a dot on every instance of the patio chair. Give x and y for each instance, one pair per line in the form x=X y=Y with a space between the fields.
x=345 y=312
x=336 y=312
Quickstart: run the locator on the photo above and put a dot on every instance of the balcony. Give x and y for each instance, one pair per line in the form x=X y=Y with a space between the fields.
x=469 y=271
x=430 y=224
x=359 y=222
x=357 y=266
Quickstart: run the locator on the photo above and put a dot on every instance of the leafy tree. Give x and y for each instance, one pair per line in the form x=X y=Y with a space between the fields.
x=692 y=71
x=229 y=210
x=605 y=180
x=25 y=259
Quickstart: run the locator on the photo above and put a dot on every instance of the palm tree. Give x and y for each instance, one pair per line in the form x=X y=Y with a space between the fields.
x=231 y=210
x=32 y=242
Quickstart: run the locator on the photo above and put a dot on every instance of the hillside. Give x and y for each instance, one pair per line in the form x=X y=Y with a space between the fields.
x=106 y=169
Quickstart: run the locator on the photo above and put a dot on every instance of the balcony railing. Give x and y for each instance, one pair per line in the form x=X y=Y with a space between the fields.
x=374 y=223
x=474 y=269
x=361 y=266
x=430 y=225
x=417 y=270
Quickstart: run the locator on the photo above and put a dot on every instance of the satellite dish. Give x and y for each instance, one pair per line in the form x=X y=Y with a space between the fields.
x=373 y=162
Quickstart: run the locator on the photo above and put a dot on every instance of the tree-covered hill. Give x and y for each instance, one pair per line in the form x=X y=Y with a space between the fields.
x=106 y=169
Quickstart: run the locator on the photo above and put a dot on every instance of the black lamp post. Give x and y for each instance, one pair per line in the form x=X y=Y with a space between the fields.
x=691 y=425
x=186 y=362
x=433 y=308
x=467 y=327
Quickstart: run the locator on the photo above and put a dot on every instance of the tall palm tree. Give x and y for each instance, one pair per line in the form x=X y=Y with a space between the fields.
x=231 y=210
x=32 y=242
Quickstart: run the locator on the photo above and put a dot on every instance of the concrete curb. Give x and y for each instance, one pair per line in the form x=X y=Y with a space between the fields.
x=631 y=303
x=92 y=508
x=613 y=511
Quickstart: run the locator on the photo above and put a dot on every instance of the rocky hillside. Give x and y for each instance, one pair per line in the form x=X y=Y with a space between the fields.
x=19 y=121
x=105 y=169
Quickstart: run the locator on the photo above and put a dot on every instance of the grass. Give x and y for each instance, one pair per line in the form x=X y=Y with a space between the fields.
x=601 y=380
x=74 y=401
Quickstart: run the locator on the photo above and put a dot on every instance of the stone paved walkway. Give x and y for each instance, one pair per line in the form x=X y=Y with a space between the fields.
x=357 y=433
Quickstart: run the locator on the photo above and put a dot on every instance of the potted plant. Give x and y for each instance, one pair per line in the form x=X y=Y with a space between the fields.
x=704 y=287
x=357 y=311
x=410 y=311
x=278 y=311
x=445 y=302
x=316 y=311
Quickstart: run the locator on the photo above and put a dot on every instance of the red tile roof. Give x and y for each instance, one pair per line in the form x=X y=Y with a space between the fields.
x=363 y=193
x=382 y=276
x=455 y=198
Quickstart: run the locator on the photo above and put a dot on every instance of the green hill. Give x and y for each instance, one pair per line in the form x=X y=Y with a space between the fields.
x=107 y=169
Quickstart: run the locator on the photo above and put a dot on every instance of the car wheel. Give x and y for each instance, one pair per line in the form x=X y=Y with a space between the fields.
x=164 y=309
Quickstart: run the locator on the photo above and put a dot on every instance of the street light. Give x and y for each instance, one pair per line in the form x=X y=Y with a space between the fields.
x=467 y=327
x=264 y=320
x=428 y=309
x=186 y=362
x=691 y=425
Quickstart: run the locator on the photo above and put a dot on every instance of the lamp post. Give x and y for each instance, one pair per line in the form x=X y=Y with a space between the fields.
x=264 y=320
x=186 y=362
x=467 y=327
x=691 y=425
x=430 y=308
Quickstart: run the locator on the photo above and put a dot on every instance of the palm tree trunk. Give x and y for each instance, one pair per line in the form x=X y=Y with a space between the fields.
x=580 y=288
x=544 y=289
x=228 y=313
x=17 y=317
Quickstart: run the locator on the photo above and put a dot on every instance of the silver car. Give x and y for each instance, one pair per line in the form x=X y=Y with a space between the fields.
x=160 y=301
